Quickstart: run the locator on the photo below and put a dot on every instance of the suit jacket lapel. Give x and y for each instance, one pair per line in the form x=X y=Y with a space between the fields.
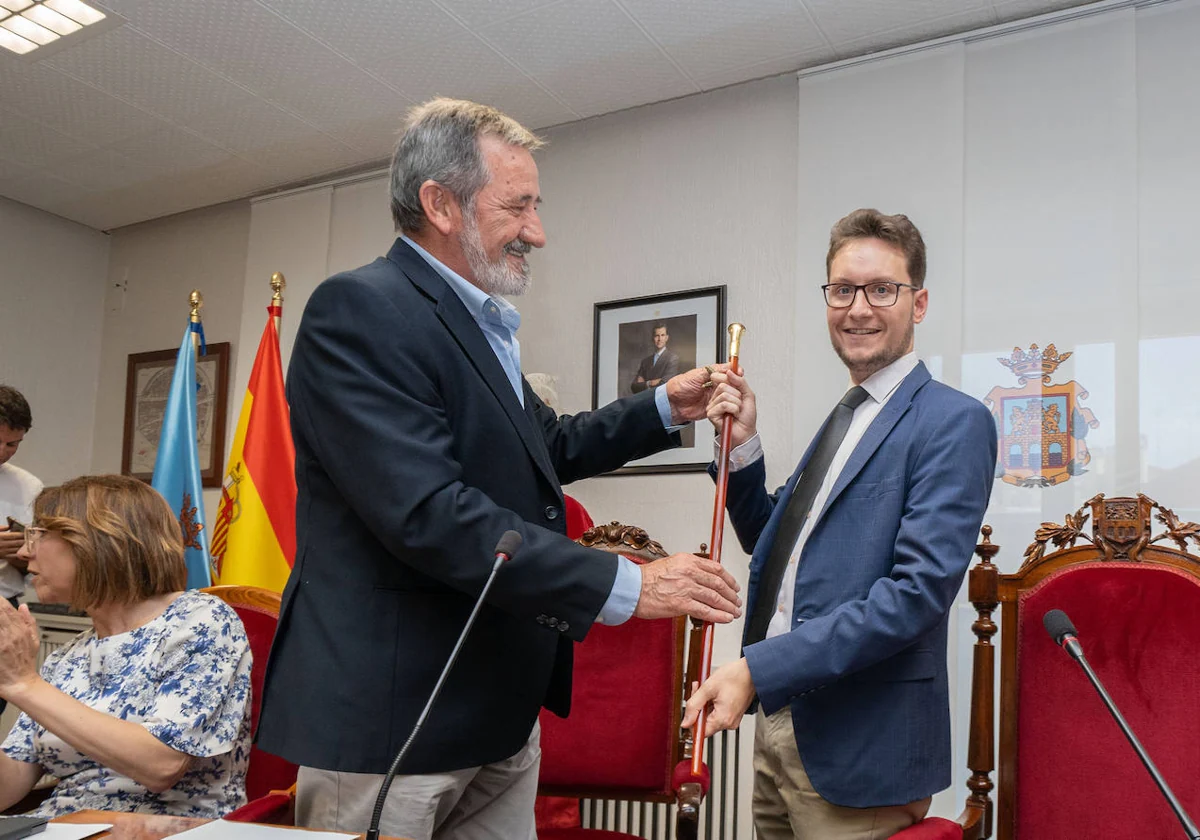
x=879 y=429
x=455 y=317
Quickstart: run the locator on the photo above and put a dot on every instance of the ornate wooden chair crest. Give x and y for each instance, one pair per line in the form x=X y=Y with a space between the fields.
x=1065 y=769
x=622 y=740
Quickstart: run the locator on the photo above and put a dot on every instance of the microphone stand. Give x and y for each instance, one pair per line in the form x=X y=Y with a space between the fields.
x=377 y=814
x=1076 y=652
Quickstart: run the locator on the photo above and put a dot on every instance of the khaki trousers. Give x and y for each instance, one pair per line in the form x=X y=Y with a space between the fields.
x=492 y=802
x=786 y=806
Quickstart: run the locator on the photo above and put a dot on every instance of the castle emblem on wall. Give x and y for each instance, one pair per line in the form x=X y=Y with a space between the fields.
x=1042 y=426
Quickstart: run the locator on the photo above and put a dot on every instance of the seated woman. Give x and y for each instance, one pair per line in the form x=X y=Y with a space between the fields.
x=150 y=710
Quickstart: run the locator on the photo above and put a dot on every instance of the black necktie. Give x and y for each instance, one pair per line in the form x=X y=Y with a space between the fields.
x=797 y=509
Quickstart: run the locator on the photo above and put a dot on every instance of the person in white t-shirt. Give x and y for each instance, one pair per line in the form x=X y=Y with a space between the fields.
x=18 y=489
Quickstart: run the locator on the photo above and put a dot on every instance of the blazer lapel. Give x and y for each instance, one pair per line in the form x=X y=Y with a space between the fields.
x=879 y=429
x=455 y=317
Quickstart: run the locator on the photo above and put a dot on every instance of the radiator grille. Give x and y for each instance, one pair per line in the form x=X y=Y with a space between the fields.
x=723 y=816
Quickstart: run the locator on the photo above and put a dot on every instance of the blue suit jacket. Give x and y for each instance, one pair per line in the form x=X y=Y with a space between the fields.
x=864 y=667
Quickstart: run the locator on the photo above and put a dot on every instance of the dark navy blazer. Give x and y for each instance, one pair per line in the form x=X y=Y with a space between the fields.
x=413 y=456
x=864 y=667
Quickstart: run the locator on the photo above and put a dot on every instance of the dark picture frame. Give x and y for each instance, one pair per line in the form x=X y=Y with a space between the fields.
x=147 y=384
x=623 y=349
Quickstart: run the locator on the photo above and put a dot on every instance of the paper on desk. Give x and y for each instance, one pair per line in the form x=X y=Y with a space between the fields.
x=71 y=831
x=228 y=830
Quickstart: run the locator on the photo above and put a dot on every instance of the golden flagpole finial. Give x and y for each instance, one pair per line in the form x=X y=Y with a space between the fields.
x=278 y=284
x=196 y=302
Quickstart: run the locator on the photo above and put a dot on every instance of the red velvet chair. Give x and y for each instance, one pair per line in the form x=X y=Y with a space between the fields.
x=270 y=780
x=622 y=740
x=1065 y=768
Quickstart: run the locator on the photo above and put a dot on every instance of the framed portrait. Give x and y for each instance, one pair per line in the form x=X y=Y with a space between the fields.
x=147 y=385
x=639 y=343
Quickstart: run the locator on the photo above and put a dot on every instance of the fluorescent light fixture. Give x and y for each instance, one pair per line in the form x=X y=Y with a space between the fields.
x=28 y=29
x=26 y=25
x=75 y=10
x=15 y=43
x=52 y=20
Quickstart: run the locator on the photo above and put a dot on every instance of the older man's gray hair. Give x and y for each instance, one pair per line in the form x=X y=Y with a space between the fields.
x=441 y=143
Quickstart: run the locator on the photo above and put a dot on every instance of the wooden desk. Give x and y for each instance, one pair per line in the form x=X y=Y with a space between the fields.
x=143 y=826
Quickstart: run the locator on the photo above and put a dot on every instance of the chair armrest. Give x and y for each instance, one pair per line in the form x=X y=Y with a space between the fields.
x=276 y=808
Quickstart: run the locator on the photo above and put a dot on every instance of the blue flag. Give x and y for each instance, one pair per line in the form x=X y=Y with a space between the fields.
x=177 y=466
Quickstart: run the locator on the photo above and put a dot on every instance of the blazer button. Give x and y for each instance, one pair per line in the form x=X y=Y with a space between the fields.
x=541 y=619
x=564 y=626
x=551 y=512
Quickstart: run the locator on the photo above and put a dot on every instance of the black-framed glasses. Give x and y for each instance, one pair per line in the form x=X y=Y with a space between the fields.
x=33 y=536
x=878 y=294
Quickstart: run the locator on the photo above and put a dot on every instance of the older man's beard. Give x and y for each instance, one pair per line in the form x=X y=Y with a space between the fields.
x=495 y=278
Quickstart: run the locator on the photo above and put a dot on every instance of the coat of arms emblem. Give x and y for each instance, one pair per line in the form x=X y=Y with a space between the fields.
x=1042 y=426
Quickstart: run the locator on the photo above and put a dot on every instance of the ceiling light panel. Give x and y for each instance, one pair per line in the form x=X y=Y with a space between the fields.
x=26 y=25
x=52 y=20
x=15 y=43
x=28 y=29
x=75 y=10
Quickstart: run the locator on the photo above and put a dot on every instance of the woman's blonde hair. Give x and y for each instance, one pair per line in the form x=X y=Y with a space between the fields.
x=127 y=541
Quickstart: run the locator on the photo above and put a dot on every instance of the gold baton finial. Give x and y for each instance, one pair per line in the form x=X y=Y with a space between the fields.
x=735 y=339
x=278 y=284
x=196 y=301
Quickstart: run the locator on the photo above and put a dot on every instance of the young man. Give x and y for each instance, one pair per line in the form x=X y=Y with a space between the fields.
x=856 y=563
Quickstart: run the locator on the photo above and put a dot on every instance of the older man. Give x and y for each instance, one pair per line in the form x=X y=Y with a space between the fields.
x=418 y=443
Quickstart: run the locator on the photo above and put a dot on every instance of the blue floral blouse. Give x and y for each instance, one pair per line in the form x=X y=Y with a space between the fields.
x=185 y=677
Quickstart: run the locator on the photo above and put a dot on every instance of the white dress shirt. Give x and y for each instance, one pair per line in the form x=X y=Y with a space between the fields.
x=879 y=387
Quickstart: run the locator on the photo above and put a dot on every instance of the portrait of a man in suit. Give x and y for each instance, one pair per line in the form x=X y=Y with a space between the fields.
x=660 y=365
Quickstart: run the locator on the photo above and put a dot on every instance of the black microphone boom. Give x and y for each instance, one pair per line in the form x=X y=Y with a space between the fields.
x=1062 y=631
x=504 y=551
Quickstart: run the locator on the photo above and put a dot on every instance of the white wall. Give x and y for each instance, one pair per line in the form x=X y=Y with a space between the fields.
x=152 y=270
x=52 y=276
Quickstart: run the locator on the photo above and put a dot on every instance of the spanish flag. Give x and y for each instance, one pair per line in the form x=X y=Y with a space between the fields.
x=254 y=538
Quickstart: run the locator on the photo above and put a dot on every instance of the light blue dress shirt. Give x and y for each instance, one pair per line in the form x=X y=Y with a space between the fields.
x=499 y=320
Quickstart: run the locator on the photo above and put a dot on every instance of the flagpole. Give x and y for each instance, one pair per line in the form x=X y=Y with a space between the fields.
x=278 y=284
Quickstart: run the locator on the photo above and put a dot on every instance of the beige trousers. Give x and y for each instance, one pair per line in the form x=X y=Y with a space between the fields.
x=786 y=806
x=492 y=802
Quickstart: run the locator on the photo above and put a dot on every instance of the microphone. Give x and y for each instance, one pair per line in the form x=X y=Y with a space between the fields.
x=1060 y=628
x=504 y=551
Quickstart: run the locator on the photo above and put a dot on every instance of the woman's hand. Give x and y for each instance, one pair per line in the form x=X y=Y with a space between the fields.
x=18 y=647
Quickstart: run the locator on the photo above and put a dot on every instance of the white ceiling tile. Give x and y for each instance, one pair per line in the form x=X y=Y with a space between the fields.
x=1007 y=10
x=32 y=144
x=762 y=69
x=364 y=30
x=713 y=36
x=299 y=157
x=247 y=123
x=332 y=101
x=41 y=190
x=481 y=12
x=71 y=107
x=170 y=148
x=590 y=54
x=466 y=68
x=11 y=170
x=842 y=21
x=121 y=7
x=100 y=170
x=238 y=39
x=129 y=65
x=374 y=137
x=915 y=33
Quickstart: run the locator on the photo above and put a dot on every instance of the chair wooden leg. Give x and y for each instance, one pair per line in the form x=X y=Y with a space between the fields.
x=687 y=821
